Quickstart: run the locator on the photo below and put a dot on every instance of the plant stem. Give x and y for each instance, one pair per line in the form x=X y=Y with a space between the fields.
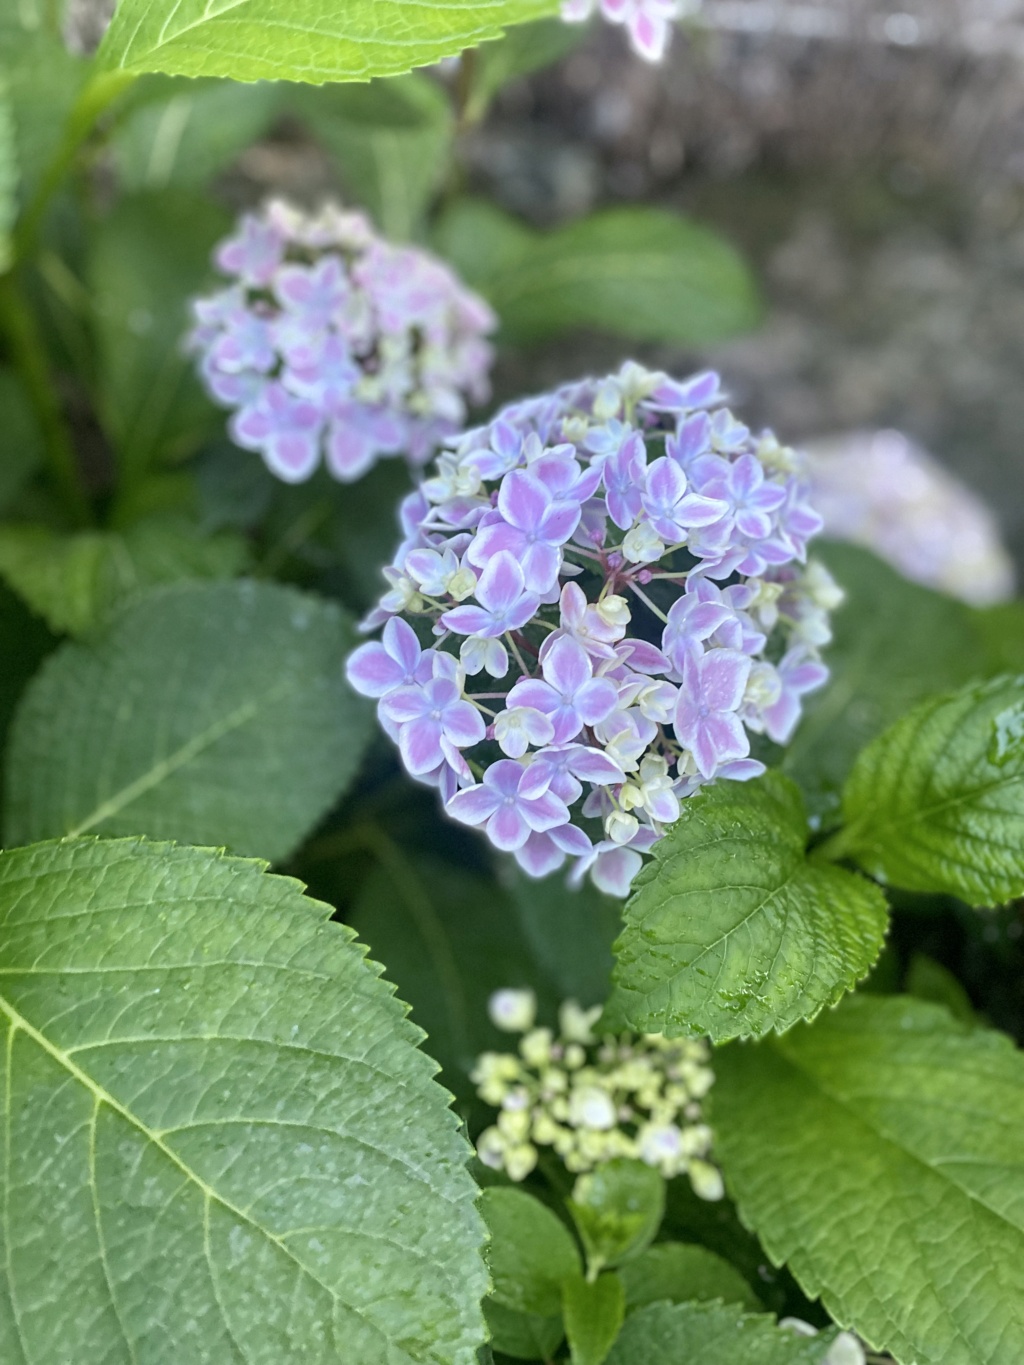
x=30 y=360
x=837 y=845
x=96 y=96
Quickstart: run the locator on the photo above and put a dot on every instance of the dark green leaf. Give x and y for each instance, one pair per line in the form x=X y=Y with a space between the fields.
x=731 y=931
x=448 y=938
x=712 y=1334
x=530 y=1252
x=21 y=446
x=878 y=1153
x=8 y=176
x=183 y=132
x=524 y=1336
x=209 y=713
x=76 y=581
x=894 y=644
x=146 y=260
x=929 y=980
x=314 y=41
x=391 y=140
x=222 y=1141
x=1001 y=631
x=617 y=1209
x=682 y=1273
x=936 y=803
x=593 y=1313
x=642 y=273
x=570 y=931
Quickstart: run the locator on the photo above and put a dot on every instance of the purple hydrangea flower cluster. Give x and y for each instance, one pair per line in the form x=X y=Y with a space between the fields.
x=615 y=578
x=331 y=343
x=648 y=22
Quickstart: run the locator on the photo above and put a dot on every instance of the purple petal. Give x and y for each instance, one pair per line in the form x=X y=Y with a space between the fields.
x=567 y=666
x=539 y=856
x=593 y=765
x=474 y=805
x=726 y=733
x=371 y=671
x=469 y=620
x=558 y=522
x=724 y=674
x=523 y=500
x=404 y=704
x=463 y=724
x=545 y=811
x=401 y=643
x=507 y=828
x=419 y=743
x=596 y=699
x=613 y=871
x=501 y=583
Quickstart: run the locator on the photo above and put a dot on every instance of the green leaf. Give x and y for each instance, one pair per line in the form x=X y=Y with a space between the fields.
x=448 y=938
x=878 y=1154
x=641 y=273
x=936 y=803
x=209 y=713
x=593 y=1313
x=222 y=1141
x=731 y=931
x=570 y=932
x=682 y=1273
x=145 y=261
x=302 y=40
x=183 y=132
x=24 y=643
x=524 y=1336
x=894 y=644
x=523 y=50
x=712 y=1334
x=391 y=140
x=8 y=177
x=76 y=581
x=21 y=446
x=530 y=1252
x=929 y=980
x=617 y=1209
x=1001 y=631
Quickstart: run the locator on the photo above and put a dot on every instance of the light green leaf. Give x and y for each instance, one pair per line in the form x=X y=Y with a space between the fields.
x=8 y=177
x=731 y=931
x=524 y=1336
x=936 y=803
x=76 y=581
x=183 y=132
x=209 y=713
x=593 y=1313
x=222 y=1141
x=894 y=644
x=878 y=1154
x=391 y=140
x=21 y=445
x=684 y=1273
x=617 y=1209
x=145 y=261
x=530 y=1252
x=302 y=40
x=712 y=1334
x=642 y=273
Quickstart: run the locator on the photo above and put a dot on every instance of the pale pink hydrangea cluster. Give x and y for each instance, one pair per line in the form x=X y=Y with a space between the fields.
x=333 y=344
x=648 y=22
x=614 y=578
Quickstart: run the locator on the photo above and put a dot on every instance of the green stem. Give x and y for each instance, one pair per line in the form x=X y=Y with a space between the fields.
x=94 y=98
x=30 y=360
x=837 y=846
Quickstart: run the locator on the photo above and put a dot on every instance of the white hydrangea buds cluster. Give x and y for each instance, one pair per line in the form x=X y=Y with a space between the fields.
x=592 y=1099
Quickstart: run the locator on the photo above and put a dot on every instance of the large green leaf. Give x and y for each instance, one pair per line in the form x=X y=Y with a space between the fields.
x=894 y=644
x=391 y=140
x=75 y=581
x=731 y=931
x=878 y=1153
x=302 y=40
x=936 y=803
x=570 y=932
x=182 y=132
x=221 y=1140
x=530 y=1252
x=711 y=1334
x=642 y=273
x=145 y=260
x=593 y=1312
x=683 y=1273
x=210 y=713
x=21 y=445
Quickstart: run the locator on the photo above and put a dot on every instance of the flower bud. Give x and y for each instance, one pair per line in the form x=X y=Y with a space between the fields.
x=512 y=1011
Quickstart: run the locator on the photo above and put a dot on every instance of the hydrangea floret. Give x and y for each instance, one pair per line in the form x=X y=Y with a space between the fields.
x=648 y=22
x=594 y=1099
x=331 y=344
x=615 y=580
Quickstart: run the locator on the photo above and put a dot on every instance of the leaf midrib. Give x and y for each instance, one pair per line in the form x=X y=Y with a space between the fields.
x=18 y=1022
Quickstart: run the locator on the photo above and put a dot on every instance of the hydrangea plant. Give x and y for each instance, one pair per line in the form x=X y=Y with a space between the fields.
x=615 y=581
x=333 y=345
